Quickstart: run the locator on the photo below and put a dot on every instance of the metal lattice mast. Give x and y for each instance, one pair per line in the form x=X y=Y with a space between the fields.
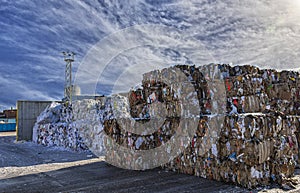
x=69 y=58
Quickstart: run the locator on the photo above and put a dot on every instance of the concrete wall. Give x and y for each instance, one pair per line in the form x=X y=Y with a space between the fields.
x=27 y=113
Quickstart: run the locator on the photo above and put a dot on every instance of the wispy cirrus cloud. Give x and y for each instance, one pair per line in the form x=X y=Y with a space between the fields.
x=33 y=33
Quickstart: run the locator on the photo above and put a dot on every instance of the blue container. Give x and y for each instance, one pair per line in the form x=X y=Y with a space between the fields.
x=7 y=126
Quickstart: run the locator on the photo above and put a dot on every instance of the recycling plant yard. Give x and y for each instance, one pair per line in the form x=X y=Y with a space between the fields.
x=150 y=96
x=256 y=147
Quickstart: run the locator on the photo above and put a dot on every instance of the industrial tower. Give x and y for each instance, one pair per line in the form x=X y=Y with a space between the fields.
x=68 y=90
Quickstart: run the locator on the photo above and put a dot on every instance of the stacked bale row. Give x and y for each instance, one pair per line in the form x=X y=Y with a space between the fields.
x=252 y=149
x=251 y=89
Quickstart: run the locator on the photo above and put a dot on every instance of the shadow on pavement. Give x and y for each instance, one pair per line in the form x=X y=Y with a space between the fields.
x=101 y=177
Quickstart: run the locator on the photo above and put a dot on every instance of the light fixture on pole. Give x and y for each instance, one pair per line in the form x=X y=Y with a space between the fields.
x=68 y=58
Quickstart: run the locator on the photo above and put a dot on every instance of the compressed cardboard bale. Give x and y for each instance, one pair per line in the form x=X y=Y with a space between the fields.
x=66 y=131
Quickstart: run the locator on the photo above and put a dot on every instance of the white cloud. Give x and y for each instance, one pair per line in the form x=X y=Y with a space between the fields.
x=261 y=32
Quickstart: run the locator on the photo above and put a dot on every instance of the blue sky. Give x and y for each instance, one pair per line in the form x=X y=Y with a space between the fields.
x=33 y=33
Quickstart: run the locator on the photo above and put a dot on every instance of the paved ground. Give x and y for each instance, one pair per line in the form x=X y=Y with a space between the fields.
x=27 y=167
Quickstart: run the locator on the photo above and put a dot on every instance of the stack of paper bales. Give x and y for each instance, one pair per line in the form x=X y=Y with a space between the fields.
x=246 y=130
x=256 y=142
